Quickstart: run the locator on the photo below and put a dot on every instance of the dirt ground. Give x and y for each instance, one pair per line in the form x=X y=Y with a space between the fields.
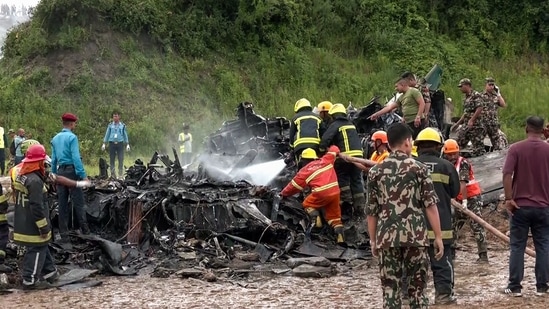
x=477 y=286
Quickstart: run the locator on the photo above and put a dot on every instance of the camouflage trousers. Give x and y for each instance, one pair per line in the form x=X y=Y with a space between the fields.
x=475 y=135
x=498 y=140
x=474 y=204
x=432 y=121
x=393 y=263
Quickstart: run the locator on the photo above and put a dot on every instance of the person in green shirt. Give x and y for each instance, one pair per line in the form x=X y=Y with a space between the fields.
x=412 y=104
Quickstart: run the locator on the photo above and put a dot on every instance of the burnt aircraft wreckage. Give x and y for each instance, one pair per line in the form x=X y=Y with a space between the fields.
x=200 y=219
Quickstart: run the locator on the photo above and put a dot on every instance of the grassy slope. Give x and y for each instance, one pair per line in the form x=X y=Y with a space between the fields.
x=157 y=91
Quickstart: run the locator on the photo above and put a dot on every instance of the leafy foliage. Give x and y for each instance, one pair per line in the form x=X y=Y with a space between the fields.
x=164 y=62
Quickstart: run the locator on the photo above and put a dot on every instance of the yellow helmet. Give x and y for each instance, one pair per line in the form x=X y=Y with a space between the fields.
x=324 y=106
x=337 y=108
x=309 y=153
x=414 y=151
x=428 y=134
x=301 y=103
x=26 y=144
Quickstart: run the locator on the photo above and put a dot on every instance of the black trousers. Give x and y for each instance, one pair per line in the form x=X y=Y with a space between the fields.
x=77 y=201
x=116 y=151
x=415 y=131
x=2 y=161
x=38 y=264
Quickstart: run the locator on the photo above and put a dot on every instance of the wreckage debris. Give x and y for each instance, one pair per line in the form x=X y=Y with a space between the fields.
x=211 y=221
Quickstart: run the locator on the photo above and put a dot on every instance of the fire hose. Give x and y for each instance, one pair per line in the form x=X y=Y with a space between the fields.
x=487 y=226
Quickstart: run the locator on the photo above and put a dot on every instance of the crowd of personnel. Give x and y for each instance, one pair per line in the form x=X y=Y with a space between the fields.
x=33 y=175
x=414 y=176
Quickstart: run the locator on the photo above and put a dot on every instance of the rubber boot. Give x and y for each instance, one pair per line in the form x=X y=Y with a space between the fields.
x=482 y=258
x=5 y=269
x=314 y=215
x=338 y=230
x=445 y=299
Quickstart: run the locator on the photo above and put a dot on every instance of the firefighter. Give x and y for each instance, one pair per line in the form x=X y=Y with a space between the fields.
x=32 y=227
x=319 y=175
x=306 y=128
x=381 y=145
x=4 y=231
x=447 y=185
x=344 y=135
x=323 y=109
x=469 y=196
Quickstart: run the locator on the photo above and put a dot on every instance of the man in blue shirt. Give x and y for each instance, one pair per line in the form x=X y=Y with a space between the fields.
x=18 y=140
x=116 y=136
x=66 y=161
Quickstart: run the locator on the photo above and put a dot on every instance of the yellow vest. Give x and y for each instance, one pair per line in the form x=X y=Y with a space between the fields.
x=2 y=141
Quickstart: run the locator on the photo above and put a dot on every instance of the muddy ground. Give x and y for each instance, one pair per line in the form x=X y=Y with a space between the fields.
x=477 y=286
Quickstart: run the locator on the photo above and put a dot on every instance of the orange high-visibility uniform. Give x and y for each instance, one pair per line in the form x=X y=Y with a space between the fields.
x=321 y=177
x=378 y=158
x=473 y=187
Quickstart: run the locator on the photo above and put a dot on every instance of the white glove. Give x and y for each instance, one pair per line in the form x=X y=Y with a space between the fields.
x=128 y=147
x=103 y=147
x=83 y=183
x=464 y=203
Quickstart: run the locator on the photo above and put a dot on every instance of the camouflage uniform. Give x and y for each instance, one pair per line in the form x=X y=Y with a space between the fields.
x=491 y=120
x=432 y=120
x=477 y=132
x=399 y=189
x=474 y=204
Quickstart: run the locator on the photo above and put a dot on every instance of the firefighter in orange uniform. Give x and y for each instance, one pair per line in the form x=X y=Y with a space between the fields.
x=381 y=145
x=319 y=175
x=470 y=197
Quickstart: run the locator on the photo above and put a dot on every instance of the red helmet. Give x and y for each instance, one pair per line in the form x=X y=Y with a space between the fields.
x=35 y=153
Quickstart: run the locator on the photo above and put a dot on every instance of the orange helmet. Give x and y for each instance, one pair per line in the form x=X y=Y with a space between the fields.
x=381 y=135
x=450 y=146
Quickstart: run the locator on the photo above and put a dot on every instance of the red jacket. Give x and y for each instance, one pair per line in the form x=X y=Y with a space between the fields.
x=319 y=175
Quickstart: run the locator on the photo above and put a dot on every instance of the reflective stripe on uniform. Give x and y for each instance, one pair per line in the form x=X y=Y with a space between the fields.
x=347 y=148
x=31 y=239
x=354 y=153
x=448 y=234
x=20 y=187
x=3 y=217
x=3 y=198
x=325 y=187
x=296 y=185
x=41 y=223
x=318 y=171
x=437 y=177
x=306 y=140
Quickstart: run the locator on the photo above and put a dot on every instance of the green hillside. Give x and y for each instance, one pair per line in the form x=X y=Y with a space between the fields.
x=165 y=62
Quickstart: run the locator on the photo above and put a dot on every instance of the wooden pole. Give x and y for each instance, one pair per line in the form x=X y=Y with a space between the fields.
x=487 y=226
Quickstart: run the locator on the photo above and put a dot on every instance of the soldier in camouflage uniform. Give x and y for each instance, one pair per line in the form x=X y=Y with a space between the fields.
x=470 y=197
x=493 y=100
x=472 y=129
x=400 y=195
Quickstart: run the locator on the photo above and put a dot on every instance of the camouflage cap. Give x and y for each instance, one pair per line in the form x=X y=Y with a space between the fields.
x=423 y=82
x=464 y=81
x=489 y=80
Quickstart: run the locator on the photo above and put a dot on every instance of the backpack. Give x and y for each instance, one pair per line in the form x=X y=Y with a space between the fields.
x=12 y=148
